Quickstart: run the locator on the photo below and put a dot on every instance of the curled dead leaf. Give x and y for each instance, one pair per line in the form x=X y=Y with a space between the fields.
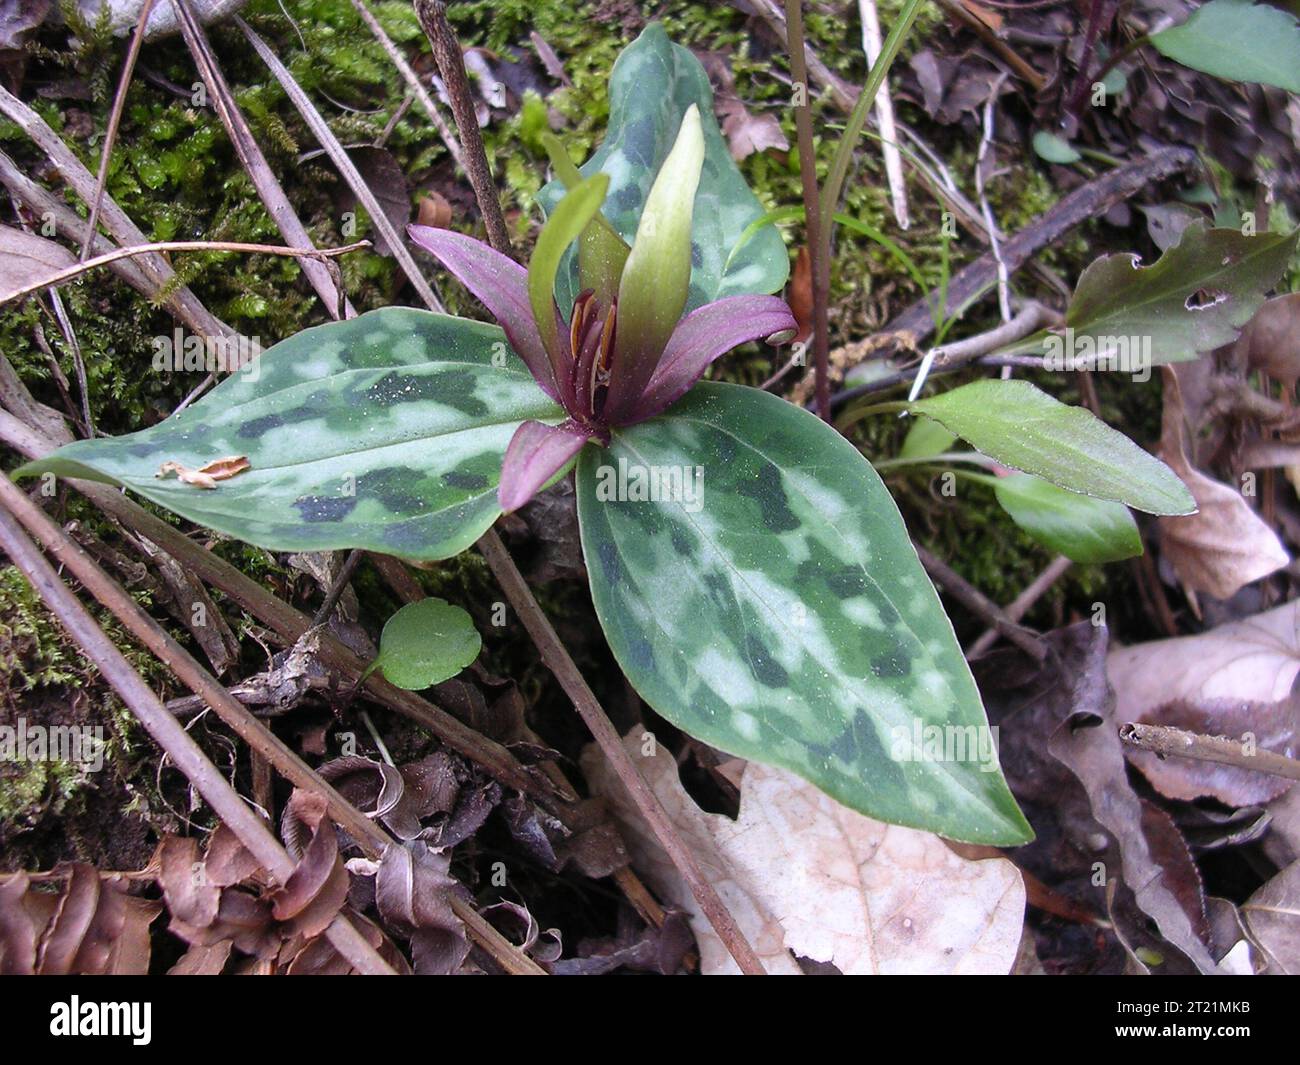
x=208 y=475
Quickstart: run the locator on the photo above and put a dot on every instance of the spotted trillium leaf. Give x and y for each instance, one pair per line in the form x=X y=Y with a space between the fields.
x=385 y=432
x=653 y=84
x=770 y=603
x=1023 y=427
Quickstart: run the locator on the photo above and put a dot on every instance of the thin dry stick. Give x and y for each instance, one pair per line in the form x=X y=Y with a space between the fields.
x=1176 y=742
x=554 y=654
x=261 y=741
x=71 y=272
x=339 y=157
x=254 y=162
x=977 y=602
x=871 y=44
x=1019 y=606
x=413 y=81
x=114 y=120
x=451 y=65
x=168 y=733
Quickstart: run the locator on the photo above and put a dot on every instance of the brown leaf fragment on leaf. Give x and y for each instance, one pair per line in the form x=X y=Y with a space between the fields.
x=193 y=900
x=805 y=876
x=208 y=475
x=1238 y=680
x=203 y=961
x=1223 y=546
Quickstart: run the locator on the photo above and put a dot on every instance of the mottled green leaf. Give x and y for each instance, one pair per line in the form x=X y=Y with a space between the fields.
x=425 y=643
x=651 y=87
x=1023 y=427
x=1079 y=527
x=1237 y=40
x=781 y=614
x=384 y=432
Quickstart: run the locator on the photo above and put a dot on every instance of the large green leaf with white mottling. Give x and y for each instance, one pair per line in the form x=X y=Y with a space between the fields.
x=1023 y=427
x=652 y=85
x=384 y=432
x=770 y=603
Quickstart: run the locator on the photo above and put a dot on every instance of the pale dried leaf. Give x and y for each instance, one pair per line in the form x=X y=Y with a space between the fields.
x=207 y=475
x=805 y=876
x=26 y=259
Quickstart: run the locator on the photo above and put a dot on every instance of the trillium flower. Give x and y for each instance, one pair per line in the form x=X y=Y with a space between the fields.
x=626 y=352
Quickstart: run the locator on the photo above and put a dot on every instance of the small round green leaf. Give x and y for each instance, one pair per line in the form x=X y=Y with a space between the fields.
x=1054 y=149
x=425 y=643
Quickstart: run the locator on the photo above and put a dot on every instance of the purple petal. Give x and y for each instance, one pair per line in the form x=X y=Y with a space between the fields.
x=536 y=453
x=501 y=285
x=699 y=338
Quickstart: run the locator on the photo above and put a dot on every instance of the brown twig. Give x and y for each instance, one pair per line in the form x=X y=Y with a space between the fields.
x=413 y=82
x=557 y=659
x=1085 y=202
x=346 y=167
x=170 y=735
x=978 y=603
x=451 y=65
x=1178 y=743
x=254 y=162
x=1019 y=606
x=69 y=273
x=187 y=306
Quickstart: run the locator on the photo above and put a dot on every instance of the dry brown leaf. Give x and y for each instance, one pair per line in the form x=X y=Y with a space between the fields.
x=1225 y=545
x=1235 y=679
x=1271 y=340
x=26 y=259
x=805 y=876
x=433 y=210
x=208 y=475
x=747 y=132
x=1272 y=916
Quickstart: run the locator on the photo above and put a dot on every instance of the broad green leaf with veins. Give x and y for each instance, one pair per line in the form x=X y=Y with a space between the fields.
x=786 y=618
x=652 y=85
x=384 y=432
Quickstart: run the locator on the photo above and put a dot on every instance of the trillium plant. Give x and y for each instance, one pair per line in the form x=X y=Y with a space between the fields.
x=751 y=573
